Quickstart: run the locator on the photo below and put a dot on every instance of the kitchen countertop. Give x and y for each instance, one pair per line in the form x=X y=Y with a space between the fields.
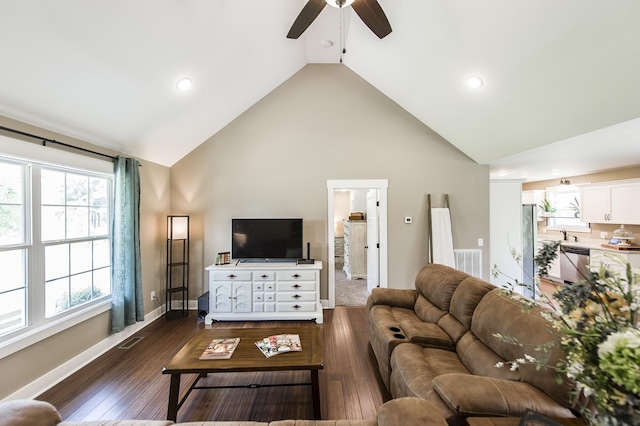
x=589 y=244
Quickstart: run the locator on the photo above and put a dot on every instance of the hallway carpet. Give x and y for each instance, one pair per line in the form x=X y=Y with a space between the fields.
x=350 y=292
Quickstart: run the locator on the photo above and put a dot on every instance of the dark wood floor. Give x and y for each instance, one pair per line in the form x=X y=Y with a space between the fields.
x=128 y=384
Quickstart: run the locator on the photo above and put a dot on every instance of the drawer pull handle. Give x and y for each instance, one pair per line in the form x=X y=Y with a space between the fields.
x=296 y=286
x=296 y=275
x=296 y=296
x=264 y=276
x=231 y=276
x=296 y=307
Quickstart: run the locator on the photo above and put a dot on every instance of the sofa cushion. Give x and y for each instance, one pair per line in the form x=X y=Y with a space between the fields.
x=324 y=423
x=426 y=334
x=466 y=297
x=436 y=283
x=28 y=412
x=130 y=423
x=409 y=411
x=471 y=395
x=499 y=313
x=481 y=360
x=414 y=367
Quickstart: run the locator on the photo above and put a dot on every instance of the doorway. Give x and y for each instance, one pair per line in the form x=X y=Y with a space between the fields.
x=376 y=246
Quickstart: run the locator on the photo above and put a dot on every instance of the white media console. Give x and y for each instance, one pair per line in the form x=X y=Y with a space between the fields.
x=264 y=291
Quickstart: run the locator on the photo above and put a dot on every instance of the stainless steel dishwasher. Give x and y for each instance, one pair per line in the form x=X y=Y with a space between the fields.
x=574 y=263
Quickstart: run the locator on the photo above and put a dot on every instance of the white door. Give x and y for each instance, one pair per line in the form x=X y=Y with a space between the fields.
x=373 y=252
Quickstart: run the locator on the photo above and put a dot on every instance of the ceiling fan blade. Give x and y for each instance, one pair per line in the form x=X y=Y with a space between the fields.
x=307 y=15
x=373 y=16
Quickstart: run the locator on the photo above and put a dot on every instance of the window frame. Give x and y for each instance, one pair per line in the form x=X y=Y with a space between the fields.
x=38 y=327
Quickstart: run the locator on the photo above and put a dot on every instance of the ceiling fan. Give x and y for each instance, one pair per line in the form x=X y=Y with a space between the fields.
x=369 y=11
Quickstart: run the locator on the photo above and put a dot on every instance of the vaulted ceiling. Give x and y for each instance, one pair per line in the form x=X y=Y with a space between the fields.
x=561 y=78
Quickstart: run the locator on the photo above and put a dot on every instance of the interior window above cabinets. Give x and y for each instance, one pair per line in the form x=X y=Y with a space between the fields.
x=562 y=204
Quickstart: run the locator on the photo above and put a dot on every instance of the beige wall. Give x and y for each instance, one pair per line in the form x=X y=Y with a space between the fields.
x=21 y=368
x=612 y=175
x=327 y=123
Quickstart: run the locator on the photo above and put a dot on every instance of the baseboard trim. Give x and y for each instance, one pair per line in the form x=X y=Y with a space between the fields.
x=55 y=376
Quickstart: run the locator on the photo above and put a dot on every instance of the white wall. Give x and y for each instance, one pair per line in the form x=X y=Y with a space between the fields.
x=326 y=123
x=506 y=229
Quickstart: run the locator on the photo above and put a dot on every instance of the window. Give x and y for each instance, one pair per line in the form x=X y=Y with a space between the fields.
x=75 y=235
x=13 y=247
x=55 y=242
x=564 y=201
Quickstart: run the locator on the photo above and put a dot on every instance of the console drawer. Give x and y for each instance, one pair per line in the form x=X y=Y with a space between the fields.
x=231 y=276
x=296 y=275
x=300 y=296
x=296 y=306
x=296 y=286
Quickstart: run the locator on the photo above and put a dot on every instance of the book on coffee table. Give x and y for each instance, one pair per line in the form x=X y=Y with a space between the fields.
x=220 y=348
x=280 y=343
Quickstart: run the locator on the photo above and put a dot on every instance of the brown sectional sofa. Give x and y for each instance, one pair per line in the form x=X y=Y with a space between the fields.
x=437 y=342
x=403 y=411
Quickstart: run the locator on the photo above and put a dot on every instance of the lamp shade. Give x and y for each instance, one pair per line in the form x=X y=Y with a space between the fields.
x=178 y=227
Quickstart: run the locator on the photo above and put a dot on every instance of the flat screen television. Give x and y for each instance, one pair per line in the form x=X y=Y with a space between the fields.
x=266 y=239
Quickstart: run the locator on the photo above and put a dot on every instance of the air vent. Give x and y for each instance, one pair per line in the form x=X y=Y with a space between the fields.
x=469 y=261
x=128 y=344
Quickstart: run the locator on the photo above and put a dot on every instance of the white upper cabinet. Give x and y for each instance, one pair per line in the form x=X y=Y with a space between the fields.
x=612 y=202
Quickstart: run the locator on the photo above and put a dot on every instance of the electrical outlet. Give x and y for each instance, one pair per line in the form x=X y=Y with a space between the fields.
x=153 y=296
x=408 y=219
x=604 y=235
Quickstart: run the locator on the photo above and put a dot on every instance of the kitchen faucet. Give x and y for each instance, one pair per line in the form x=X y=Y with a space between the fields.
x=564 y=234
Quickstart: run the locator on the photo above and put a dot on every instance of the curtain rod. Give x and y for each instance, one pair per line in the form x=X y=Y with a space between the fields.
x=53 y=141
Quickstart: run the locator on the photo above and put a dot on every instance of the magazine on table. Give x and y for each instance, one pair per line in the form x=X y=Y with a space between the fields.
x=280 y=343
x=220 y=348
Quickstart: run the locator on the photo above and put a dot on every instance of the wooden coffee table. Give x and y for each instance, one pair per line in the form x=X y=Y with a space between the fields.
x=247 y=357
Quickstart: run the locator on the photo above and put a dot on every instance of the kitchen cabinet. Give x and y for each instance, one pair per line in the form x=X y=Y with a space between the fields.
x=617 y=203
x=613 y=260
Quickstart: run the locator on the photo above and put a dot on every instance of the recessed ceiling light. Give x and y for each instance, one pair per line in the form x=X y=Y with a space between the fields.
x=474 y=82
x=184 y=84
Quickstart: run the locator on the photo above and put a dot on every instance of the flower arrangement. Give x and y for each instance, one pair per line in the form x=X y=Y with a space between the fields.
x=596 y=320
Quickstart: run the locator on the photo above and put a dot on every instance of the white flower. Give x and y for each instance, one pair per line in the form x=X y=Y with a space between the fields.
x=585 y=389
x=500 y=364
x=529 y=358
x=574 y=369
x=628 y=338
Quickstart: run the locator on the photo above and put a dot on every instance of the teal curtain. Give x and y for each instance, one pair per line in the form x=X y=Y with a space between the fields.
x=126 y=272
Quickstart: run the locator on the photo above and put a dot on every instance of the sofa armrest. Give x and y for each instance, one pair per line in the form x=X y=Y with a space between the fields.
x=409 y=411
x=469 y=395
x=400 y=298
x=28 y=412
x=426 y=334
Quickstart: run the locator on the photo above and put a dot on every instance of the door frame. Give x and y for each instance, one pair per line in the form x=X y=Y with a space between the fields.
x=332 y=185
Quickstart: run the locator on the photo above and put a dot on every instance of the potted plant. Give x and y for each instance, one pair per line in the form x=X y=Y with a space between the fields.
x=546 y=207
x=597 y=320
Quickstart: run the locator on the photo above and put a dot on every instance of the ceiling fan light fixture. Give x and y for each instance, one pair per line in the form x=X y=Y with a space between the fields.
x=183 y=84
x=339 y=3
x=474 y=82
